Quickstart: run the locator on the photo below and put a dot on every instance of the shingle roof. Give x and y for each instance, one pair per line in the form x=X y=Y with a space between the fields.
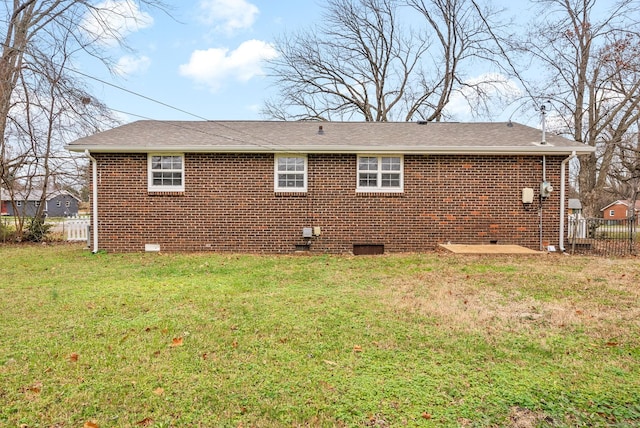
x=327 y=137
x=574 y=204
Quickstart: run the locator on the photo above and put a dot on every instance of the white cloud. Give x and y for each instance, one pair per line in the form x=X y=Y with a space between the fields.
x=115 y=19
x=128 y=65
x=228 y=16
x=494 y=87
x=212 y=66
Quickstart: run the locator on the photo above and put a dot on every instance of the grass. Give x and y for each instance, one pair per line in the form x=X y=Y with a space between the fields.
x=247 y=340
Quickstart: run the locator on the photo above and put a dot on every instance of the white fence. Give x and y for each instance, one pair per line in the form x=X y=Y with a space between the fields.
x=76 y=229
x=577 y=227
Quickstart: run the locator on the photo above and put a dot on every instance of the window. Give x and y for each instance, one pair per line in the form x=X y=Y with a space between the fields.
x=58 y=203
x=612 y=213
x=380 y=174
x=36 y=203
x=290 y=173
x=166 y=173
x=18 y=203
x=67 y=204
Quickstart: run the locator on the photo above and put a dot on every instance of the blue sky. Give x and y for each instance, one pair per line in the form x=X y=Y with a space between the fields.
x=207 y=59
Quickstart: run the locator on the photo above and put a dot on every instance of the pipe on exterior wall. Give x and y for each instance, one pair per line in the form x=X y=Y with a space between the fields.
x=563 y=173
x=94 y=214
x=544 y=178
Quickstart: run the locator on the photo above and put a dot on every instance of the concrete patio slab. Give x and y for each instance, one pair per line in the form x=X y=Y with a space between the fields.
x=488 y=249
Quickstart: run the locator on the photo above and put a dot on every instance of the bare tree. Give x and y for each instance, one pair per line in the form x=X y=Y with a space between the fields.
x=592 y=78
x=362 y=63
x=463 y=35
x=42 y=107
x=49 y=108
x=625 y=170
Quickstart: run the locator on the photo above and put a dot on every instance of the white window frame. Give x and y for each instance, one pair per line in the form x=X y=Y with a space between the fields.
x=612 y=213
x=379 y=188
x=164 y=188
x=277 y=173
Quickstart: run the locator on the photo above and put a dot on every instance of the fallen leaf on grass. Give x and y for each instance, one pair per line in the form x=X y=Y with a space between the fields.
x=36 y=387
x=357 y=348
x=612 y=343
x=33 y=389
x=426 y=415
x=234 y=344
x=73 y=357
x=158 y=391
x=331 y=363
x=145 y=422
x=90 y=424
x=177 y=341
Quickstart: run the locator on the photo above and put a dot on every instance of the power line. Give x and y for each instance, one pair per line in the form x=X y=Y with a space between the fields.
x=138 y=95
x=178 y=125
x=271 y=145
x=504 y=54
x=253 y=138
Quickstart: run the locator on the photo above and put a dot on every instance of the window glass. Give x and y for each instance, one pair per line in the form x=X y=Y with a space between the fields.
x=367 y=163
x=166 y=173
x=380 y=173
x=291 y=173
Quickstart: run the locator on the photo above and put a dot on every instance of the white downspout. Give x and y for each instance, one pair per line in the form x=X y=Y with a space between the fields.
x=94 y=215
x=563 y=173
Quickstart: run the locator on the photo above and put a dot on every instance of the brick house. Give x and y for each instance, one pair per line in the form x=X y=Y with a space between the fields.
x=619 y=210
x=257 y=186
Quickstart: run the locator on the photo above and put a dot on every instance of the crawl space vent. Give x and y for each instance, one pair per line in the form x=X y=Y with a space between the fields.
x=367 y=249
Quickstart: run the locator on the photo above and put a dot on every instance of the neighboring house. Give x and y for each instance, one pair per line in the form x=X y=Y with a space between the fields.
x=256 y=186
x=58 y=204
x=619 y=210
x=574 y=206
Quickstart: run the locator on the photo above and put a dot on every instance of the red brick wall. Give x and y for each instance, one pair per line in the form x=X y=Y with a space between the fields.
x=620 y=212
x=229 y=204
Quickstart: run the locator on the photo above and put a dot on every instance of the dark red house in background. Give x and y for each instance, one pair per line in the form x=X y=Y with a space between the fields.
x=619 y=210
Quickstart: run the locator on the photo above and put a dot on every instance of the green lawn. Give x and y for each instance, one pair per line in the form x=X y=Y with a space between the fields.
x=246 y=340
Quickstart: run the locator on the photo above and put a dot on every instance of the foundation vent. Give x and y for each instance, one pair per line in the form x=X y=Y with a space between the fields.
x=367 y=249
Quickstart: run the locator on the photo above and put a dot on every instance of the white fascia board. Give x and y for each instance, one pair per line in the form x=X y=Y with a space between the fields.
x=535 y=150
